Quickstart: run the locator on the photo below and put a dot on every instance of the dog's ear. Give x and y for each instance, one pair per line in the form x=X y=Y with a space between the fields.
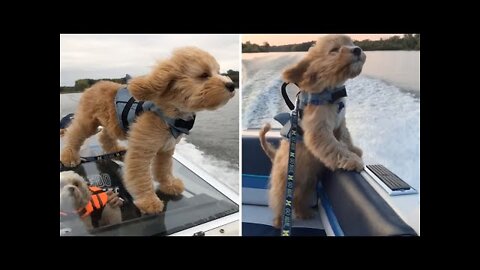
x=154 y=84
x=310 y=78
x=295 y=73
x=141 y=88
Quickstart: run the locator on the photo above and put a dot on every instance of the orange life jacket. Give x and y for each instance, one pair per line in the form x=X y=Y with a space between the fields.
x=97 y=201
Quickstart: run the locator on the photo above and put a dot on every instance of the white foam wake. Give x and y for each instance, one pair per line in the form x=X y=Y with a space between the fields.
x=219 y=169
x=385 y=123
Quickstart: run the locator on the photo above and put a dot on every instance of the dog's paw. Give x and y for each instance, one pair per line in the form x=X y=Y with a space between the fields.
x=69 y=158
x=356 y=150
x=149 y=204
x=174 y=187
x=352 y=163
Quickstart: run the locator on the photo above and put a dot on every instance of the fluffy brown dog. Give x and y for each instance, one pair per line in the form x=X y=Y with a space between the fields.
x=186 y=83
x=327 y=141
x=75 y=194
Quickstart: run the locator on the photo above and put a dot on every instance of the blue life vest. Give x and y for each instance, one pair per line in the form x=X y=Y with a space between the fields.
x=128 y=109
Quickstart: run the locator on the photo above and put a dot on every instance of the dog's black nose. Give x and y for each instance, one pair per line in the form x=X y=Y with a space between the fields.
x=230 y=86
x=71 y=189
x=357 y=51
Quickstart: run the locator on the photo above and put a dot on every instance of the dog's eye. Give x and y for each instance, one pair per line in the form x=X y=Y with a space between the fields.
x=76 y=184
x=336 y=49
x=204 y=75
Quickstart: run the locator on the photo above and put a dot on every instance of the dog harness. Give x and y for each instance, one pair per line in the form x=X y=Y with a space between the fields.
x=328 y=96
x=128 y=109
x=97 y=202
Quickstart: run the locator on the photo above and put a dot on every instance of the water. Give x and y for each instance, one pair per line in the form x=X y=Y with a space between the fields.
x=401 y=68
x=212 y=143
x=383 y=105
x=217 y=132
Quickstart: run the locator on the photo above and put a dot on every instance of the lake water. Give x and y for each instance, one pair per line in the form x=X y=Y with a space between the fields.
x=383 y=103
x=401 y=68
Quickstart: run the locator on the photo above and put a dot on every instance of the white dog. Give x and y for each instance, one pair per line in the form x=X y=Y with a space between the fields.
x=91 y=204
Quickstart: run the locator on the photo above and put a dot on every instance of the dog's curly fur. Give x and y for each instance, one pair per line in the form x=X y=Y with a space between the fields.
x=187 y=82
x=74 y=194
x=327 y=141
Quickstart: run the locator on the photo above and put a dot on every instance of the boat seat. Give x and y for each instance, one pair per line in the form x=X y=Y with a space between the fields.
x=261 y=164
x=355 y=204
x=359 y=209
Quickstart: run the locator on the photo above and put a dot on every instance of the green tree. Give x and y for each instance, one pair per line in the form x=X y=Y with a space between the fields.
x=81 y=85
x=266 y=46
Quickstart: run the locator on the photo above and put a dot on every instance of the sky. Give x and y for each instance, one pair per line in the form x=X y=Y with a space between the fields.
x=113 y=56
x=282 y=39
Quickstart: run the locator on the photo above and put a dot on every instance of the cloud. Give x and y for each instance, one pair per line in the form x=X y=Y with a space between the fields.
x=112 y=56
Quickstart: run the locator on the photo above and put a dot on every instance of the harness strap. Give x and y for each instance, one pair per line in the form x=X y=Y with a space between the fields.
x=84 y=211
x=180 y=123
x=177 y=125
x=126 y=109
x=97 y=203
x=139 y=108
x=339 y=93
x=341 y=105
x=285 y=96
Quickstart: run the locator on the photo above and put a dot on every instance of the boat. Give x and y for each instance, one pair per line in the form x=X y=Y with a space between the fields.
x=207 y=207
x=374 y=202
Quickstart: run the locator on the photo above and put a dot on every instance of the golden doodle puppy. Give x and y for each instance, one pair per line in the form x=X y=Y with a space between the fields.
x=165 y=102
x=326 y=139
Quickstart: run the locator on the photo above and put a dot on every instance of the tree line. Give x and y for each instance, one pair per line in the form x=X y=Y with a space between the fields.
x=82 y=84
x=407 y=42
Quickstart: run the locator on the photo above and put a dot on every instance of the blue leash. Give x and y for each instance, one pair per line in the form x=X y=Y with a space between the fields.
x=287 y=212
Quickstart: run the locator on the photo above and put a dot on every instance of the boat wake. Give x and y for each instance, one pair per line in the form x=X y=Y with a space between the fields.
x=218 y=169
x=383 y=119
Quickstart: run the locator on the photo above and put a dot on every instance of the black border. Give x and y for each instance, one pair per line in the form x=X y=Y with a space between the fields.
x=39 y=144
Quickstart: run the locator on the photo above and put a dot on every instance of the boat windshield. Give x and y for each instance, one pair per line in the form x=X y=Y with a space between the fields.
x=199 y=203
